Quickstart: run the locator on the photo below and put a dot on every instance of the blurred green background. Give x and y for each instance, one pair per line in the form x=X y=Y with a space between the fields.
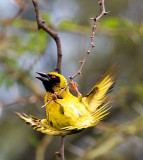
x=25 y=50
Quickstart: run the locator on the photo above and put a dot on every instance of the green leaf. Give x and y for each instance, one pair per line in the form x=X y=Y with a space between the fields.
x=73 y=27
x=116 y=23
x=32 y=42
x=111 y=22
x=36 y=42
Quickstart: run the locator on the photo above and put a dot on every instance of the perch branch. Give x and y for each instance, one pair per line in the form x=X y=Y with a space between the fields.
x=61 y=153
x=41 y=25
x=96 y=19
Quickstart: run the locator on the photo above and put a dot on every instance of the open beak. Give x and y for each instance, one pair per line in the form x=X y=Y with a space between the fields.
x=44 y=77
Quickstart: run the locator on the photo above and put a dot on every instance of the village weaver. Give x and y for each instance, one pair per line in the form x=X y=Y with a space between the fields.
x=68 y=114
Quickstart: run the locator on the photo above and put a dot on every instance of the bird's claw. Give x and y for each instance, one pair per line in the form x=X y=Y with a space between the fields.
x=55 y=97
x=74 y=85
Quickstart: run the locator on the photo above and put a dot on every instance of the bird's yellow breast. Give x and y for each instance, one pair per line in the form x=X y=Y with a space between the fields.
x=67 y=115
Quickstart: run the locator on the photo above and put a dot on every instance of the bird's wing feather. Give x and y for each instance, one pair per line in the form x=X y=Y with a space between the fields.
x=97 y=96
x=86 y=122
x=42 y=125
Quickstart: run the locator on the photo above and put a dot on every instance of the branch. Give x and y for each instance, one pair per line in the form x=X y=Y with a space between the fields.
x=96 y=19
x=41 y=25
x=61 y=152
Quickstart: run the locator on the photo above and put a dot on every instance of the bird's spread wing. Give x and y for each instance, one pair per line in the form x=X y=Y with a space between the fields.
x=97 y=96
x=86 y=122
x=42 y=125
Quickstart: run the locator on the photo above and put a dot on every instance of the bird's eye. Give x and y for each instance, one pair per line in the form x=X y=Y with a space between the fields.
x=53 y=76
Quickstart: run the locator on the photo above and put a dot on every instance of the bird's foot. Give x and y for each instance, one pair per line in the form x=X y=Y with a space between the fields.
x=55 y=97
x=74 y=85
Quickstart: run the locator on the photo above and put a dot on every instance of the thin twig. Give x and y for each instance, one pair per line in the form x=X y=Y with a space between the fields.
x=96 y=19
x=62 y=148
x=41 y=25
x=61 y=152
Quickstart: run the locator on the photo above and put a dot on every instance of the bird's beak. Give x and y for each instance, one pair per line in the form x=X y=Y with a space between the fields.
x=44 y=77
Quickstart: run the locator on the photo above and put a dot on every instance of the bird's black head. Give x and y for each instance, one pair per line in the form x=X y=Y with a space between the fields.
x=53 y=82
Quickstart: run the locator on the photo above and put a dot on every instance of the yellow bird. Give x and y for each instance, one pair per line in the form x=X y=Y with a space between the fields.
x=67 y=114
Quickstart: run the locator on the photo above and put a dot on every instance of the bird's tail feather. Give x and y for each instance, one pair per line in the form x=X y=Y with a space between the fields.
x=42 y=125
